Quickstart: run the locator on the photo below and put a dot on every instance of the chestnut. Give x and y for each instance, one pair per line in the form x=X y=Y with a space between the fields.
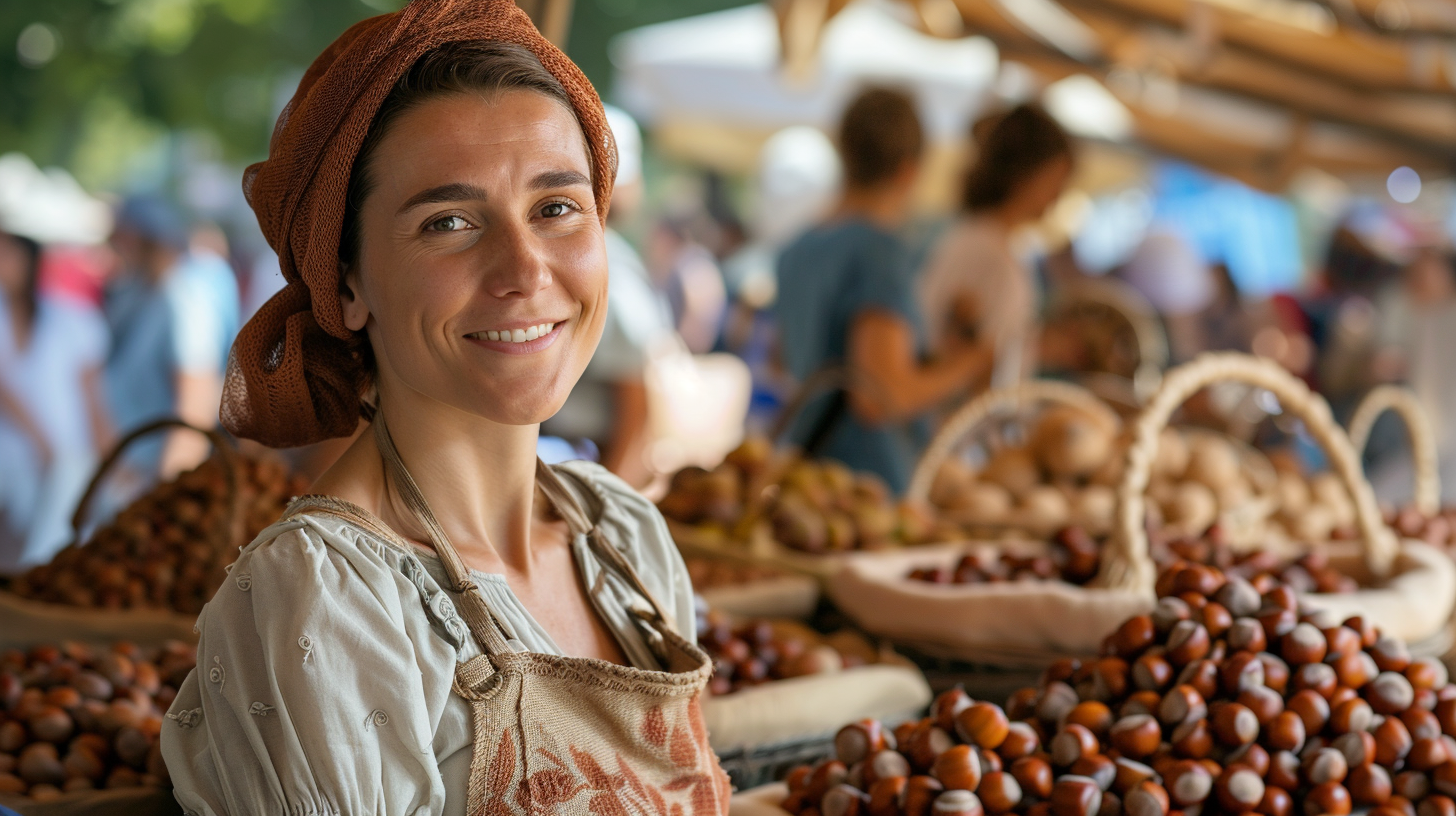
x=1276 y=802
x=885 y=796
x=1151 y=672
x=919 y=796
x=1188 y=783
x=1097 y=768
x=1312 y=708
x=999 y=792
x=1263 y=701
x=958 y=768
x=1369 y=785
x=858 y=740
x=948 y=704
x=990 y=760
x=1392 y=742
x=1330 y=798
x=1352 y=715
x=1325 y=765
x=1246 y=635
x=1191 y=740
x=1138 y=736
x=982 y=724
x=1187 y=641
x=1234 y=724
x=1074 y=795
x=1181 y=704
x=1304 y=644
x=1285 y=732
x=1239 y=789
x=1071 y=744
x=955 y=803
x=1109 y=679
x=1147 y=798
x=843 y=800
x=1034 y=775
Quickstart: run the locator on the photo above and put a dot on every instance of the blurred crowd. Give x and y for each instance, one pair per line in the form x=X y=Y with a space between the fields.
x=850 y=318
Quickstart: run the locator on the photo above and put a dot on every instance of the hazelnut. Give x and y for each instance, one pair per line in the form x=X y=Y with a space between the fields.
x=1351 y=715
x=1061 y=670
x=999 y=792
x=51 y=724
x=1021 y=740
x=1369 y=785
x=1427 y=673
x=1181 y=704
x=1357 y=746
x=1445 y=712
x=919 y=796
x=1276 y=802
x=1216 y=619
x=39 y=764
x=1341 y=640
x=990 y=760
x=1421 y=723
x=1443 y=778
x=1234 y=724
x=1390 y=654
x=958 y=768
x=1303 y=644
x=1276 y=671
x=885 y=796
x=1392 y=742
x=1330 y=798
x=1071 y=744
x=1188 y=783
x=1111 y=805
x=1253 y=755
x=1188 y=641
x=1325 y=765
x=1147 y=798
x=1283 y=770
x=1311 y=708
x=825 y=775
x=1151 y=673
x=843 y=800
x=1285 y=732
x=1092 y=715
x=1363 y=627
x=1263 y=701
x=1098 y=768
x=1317 y=677
x=858 y=740
x=1137 y=736
x=1140 y=702
x=954 y=803
x=1129 y=772
x=1133 y=636
x=1057 y=700
x=982 y=724
x=1246 y=635
x=1390 y=693
x=1074 y=795
x=1239 y=789
x=1168 y=612
x=1398 y=806
x=886 y=764
x=1239 y=597
x=1427 y=754
x=1436 y=806
x=1191 y=740
x=927 y=742
x=1022 y=704
x=1410 y=785
x=1241 y=671
x=798 y=778
x=1277 y=622
x=1202 y=675
x=947 y=705
x=1109 y=679
x=1034 y=775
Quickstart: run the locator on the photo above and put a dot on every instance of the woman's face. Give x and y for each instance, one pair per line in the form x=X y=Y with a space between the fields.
x=1040 y=190
x=482 y=273
x=14 y=267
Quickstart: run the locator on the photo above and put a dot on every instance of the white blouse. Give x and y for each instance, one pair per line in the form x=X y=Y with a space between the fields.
x=325 y=663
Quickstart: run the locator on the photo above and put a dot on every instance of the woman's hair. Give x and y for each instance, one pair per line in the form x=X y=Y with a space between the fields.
x=1011 y=147
x=30 y=294
x=482 y=67
x=879 y=133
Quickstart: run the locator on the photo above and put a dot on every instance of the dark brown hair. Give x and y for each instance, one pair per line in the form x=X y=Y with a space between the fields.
x=1011 y=147
x=484 y=67
x=880 y=131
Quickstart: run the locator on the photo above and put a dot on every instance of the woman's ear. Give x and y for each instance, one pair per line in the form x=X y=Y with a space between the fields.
x=356 y=313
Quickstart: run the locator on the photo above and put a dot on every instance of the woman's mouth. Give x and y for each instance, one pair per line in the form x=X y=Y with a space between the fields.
x=518 y=340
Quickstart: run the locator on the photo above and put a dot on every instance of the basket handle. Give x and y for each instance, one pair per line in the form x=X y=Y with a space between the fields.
x=1404 y=403
x=991 y=403
x=824 y=381
x=220 y=446
x=1130 y=537
x=1141 y=317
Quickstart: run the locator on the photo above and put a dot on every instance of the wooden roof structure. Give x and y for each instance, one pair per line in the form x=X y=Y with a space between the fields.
x=1255 y=89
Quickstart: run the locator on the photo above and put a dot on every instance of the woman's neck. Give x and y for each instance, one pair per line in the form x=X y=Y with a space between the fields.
x=478 y=478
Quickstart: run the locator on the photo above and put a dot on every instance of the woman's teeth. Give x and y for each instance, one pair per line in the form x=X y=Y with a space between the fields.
x=516 y=335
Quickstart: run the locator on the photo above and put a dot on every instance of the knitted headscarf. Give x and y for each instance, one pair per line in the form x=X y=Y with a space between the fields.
x=296 y=373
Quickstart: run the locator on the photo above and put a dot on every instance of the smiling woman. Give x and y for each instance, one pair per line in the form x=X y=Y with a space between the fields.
x=444 y=625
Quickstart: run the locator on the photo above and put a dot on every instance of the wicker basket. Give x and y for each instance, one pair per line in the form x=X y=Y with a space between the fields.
x=1129 y=306
x=1418 y=428
x=25 y=622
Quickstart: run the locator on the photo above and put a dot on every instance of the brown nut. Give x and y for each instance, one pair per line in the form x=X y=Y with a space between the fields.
x=1303 y=644
x=1138 y=736
x=999 y=792
x=1330 y=798
x=1317 y=677
x=947 y=704
x=1057 y=700
x=1216 y=619
x=1234 y=724
x=1188 y=783
x=958 y=768
x=1140 y=702
x=982 y=724
x=1357 y=746
x=1253 y=755
x=1071 y=744
x=1276 y=672
x=1239 y=789
x=1264 y=702
x=1202 y=675
x=1341 y=640
x=1390 y=693
x=1188 y=641
x=1021 y=740
x=1421 y=724
x=1443 y=778
x=858 y=740
x=1074 y=795
x=1369 y=785
x=1151 y=672
x=1021 y=705
x=1168 y=612
x=1034 y=775
x=1390 y=654
x=1147 y=798
x=1355 y=669
x=1241 y=671
x=1181 y=704
x=885 y=796
x=1092 y=715
x=1436 y=806
x=1325 y=765
x=1276 y=802
x=825 y=775
x=1246 y=635
x=1283 y=770
x=1191 y=740
x=1312 y=708
x=1352 y=715
x=886 y=764
x=1285 y=732
x=926 y=743
x=1427 y=754
x=955 y=803
x=1133 y=636
x=844 y=800
x=1392 y=742
x=1128 y=773
x=1410 y=785
x=919 y=796
x=1427 y=673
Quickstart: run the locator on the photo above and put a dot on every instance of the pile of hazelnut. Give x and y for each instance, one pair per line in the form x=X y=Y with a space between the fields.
x=1072 y=557
x=1224 y=699
x=170 y=548
x=1309 y=572
x=756 y=652
x=73 y=718
x=708 y=573
x=1439 y=530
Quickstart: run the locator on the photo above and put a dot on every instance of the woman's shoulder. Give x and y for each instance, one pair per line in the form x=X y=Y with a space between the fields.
x=620 y=503
x=309 y=535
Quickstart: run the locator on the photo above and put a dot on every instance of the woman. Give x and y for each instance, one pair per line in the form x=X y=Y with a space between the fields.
x=974 y=283
x=446 y=626
x=52 y=422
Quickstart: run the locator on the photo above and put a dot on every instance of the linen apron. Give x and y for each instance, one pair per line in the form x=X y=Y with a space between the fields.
x=570 y=735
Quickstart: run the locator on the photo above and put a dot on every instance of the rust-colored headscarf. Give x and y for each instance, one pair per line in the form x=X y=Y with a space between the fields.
x=295 y=374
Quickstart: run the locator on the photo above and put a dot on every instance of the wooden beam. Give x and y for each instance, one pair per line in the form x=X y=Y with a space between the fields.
x=552 y=18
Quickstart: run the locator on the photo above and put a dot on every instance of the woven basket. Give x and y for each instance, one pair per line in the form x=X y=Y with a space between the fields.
x=25 y=622
x=784 y=596
x=1414 y=585
x=1418 y=429
x=1121 y=299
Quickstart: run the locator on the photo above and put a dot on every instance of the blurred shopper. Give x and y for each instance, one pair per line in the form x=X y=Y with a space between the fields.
x=173 y=312
x=608 y=406
x=845 y=299
x=1174 y=277
x=52 y=422
x=686 y=272
x=974 y=283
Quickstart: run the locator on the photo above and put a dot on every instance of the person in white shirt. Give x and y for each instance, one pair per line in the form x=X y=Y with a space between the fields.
x=974 y=282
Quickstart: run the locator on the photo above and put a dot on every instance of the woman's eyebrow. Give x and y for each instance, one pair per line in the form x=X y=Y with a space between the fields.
x=457 y=191
x=558 y=178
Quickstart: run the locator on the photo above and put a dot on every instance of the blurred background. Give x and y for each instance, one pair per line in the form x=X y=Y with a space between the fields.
x=1273 y=176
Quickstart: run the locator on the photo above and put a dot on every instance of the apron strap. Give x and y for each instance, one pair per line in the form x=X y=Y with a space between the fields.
x=472 y=607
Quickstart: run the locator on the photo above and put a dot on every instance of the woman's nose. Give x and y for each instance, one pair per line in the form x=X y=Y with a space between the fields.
x=515 y=265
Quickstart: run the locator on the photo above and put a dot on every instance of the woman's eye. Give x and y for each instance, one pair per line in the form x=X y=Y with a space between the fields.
x=449 y=223
x=555 y=209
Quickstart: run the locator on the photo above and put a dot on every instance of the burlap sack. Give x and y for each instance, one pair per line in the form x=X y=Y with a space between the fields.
x=788 y=596
x=25 y=623
x=1414 y=603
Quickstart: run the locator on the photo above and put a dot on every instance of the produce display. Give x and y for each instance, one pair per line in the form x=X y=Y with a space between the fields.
x=1438 y=530
x=754 y=652
x=807 y=505
x=1308 y=572
x=710 y=573
x=1071 y=557
x=169 y=549
x=1222 y=700
x=73 y=718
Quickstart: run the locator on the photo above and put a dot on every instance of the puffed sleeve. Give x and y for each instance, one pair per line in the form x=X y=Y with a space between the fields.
x=317 y=689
